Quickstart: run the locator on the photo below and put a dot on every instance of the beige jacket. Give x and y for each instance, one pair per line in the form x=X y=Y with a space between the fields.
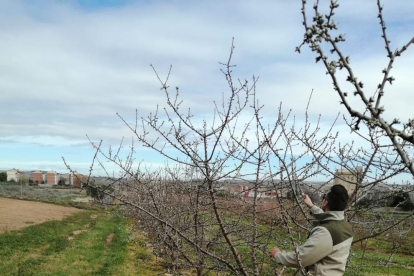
x=326 y=250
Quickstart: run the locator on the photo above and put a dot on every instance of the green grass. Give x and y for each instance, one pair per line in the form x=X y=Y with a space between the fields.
x=76 y=245
x=373 y=263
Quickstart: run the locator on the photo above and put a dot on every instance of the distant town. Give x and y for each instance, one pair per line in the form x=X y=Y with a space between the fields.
x=243 y=188
x=45 y=178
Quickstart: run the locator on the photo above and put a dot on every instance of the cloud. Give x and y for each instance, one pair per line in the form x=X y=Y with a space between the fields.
x=67 y=68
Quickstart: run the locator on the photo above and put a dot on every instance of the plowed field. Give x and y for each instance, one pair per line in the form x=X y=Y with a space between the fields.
x=16 y=214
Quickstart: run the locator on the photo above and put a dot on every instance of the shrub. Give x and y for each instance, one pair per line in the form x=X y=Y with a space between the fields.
x=403 y=201
x=3 y=177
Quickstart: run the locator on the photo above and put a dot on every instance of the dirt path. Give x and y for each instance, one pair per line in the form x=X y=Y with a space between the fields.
x=16 y=214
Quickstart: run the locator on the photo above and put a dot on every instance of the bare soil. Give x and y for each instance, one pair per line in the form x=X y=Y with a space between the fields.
x=16 y=214
x=109 y=239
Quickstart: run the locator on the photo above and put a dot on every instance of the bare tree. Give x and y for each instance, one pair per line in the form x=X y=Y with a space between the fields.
x=232 y=185
x=322 y=32
x=390 y=150
x=223 y=199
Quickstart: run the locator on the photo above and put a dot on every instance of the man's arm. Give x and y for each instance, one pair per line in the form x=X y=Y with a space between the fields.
x=313 y=208
x=316 y=247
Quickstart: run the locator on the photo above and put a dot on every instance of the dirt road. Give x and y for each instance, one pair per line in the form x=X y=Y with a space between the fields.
x=16 y=214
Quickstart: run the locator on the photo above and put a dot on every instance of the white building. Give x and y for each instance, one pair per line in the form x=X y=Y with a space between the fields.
x=348 y=179
x=13 y=174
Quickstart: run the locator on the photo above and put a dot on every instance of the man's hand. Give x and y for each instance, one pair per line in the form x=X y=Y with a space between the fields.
x=273 y=252
x=307 y=201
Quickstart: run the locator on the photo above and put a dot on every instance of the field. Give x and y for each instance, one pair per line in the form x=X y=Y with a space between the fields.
x=50 y=239
x=16 y=214
x=84 y=243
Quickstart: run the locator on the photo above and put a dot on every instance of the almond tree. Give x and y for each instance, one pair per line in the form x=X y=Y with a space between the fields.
x=232 y=186
x=192 y=208
x=321 y=32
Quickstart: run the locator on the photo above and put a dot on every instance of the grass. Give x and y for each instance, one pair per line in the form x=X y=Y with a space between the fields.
x=374 y=261
x=76 y=245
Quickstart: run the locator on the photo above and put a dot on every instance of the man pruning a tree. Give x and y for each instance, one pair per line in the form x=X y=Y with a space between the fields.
x=326 y=250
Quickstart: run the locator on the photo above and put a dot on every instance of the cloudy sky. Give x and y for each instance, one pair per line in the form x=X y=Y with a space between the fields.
x=67 y=67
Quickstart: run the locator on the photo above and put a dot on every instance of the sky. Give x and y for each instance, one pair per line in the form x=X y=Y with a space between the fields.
x=67 y=67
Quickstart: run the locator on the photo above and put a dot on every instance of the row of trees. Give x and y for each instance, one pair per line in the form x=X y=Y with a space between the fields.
x=193 y=227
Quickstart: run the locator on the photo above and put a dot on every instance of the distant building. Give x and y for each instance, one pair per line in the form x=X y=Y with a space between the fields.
x=13 y=175
x=264 y=193
x=347 y=178
x=77 y=180
x=52 y=178
x=38 y=177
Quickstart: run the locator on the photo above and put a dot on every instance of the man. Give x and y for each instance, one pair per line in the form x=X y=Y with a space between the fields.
x=326 y=250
